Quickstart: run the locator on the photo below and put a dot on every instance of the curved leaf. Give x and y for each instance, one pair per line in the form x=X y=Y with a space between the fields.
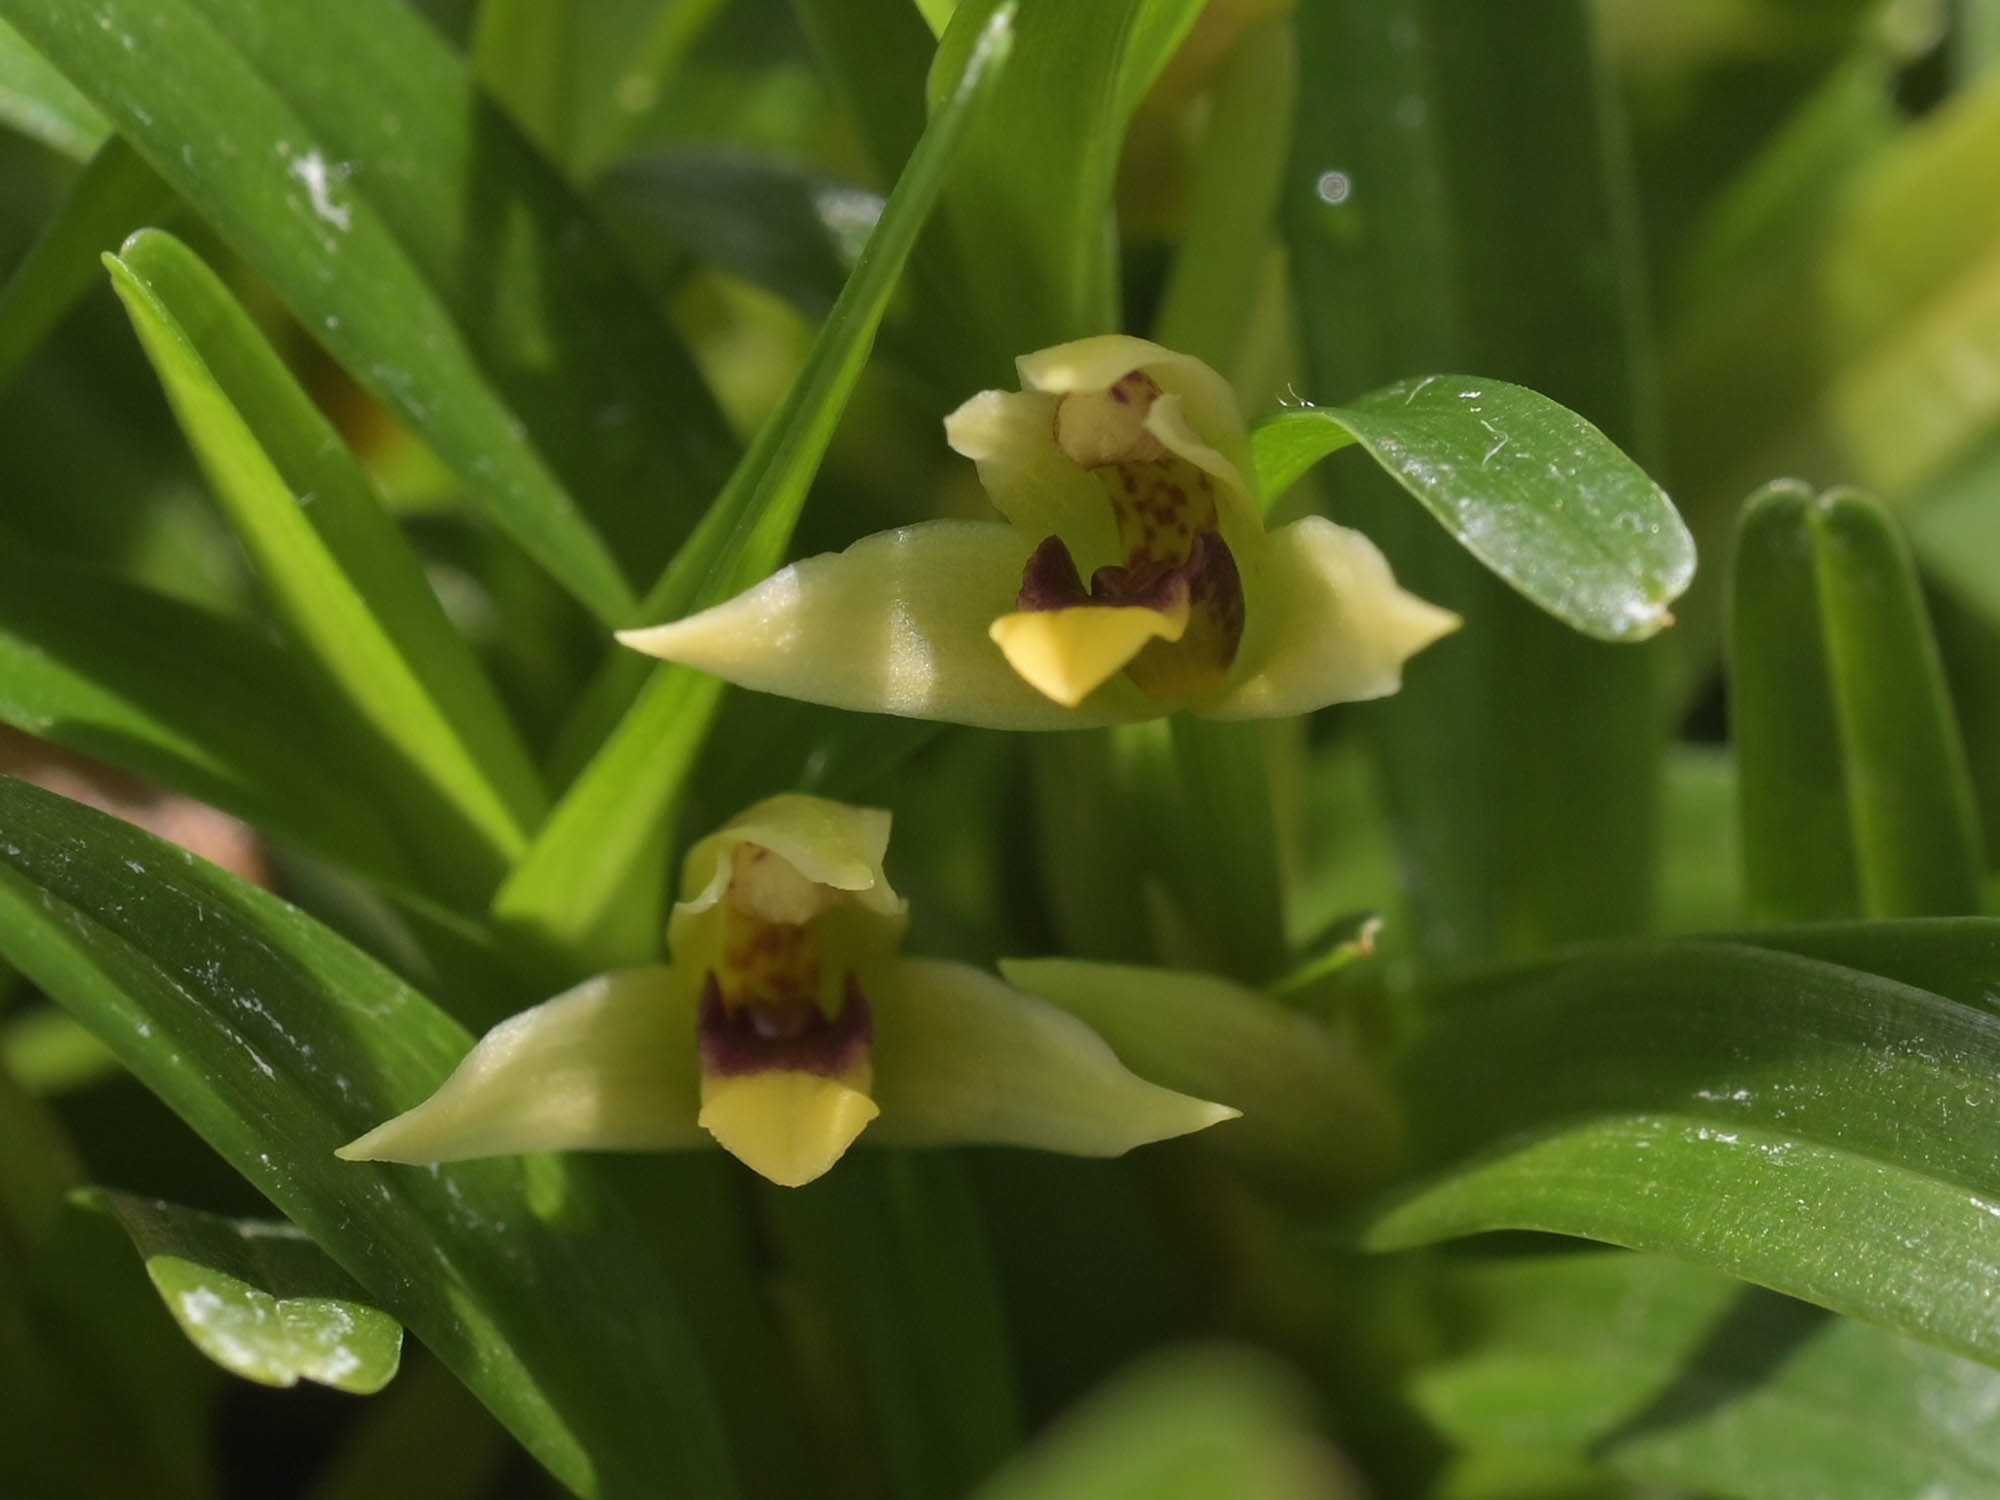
x=1828 y=1132
x=336 y=567
x=38 y=101
x=279 y=1042
x=1677 y=1377
x=1525 y=485
x=414 y=232
x=258 y=1297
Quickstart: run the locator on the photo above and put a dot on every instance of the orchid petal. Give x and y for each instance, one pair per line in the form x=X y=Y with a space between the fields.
x=1328 y=624
x=1069 y=653
x=788 y=1127
x=1010 y=436
x=1314 y=1113
x=609 y=1065
x=895 y=624
x=830 y=843
x=1206 y=399
x=961 y=1058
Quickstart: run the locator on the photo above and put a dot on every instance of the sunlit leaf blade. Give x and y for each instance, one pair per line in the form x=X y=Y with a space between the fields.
x=337 y=568
x=38 y=101
x=258 y=1297
x=1821 y=1130
x=174 y=694
x=278 y=1042
x=1678 y=1377
x=1030 y=207
x=572 y=897
x=1527 y=486
x=1189 y=1425
x=114 y=195
x=414 y=233
x=894 y=1247
x=1855 y=795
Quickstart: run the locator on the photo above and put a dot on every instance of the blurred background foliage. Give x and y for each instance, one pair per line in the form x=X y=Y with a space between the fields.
x=546 y=269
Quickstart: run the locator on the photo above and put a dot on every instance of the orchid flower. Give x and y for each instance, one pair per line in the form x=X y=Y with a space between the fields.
x=1119 y=462
x=785 y=1025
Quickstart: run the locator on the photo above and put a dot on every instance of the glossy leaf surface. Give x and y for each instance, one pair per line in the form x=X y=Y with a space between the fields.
x=1816 y=1128
x=279 y=1042
x=414 y=232
x=1529 y=488
x=258 y=1297
x=1678 y=1377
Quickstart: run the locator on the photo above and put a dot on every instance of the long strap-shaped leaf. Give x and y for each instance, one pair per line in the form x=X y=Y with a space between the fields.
x=337 y=568
x=1674 y=1376
x=572 y=896
x=1824 y=1130
x=346 y=153
x=278 y=1042
x=1856 y=800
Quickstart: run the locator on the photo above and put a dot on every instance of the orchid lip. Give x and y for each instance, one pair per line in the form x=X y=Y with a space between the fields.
x=753 y=1038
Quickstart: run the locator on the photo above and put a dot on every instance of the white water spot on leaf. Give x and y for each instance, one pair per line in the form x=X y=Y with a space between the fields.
x=319 y=177
x=1419 y=388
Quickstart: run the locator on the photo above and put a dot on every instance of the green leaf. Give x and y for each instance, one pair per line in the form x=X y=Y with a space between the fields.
x=337 y=569
x=1520 y=760
x=1855 y=798
x=174 y=694
x=793 y=232
x=1680 y=1378
x=1030 y=205
x=577 y=897
x=116 y=193
x=1522 y=483
x=894 y=1247
x=522 y=51
x=38 y=101
x=1821 y=1130
x=1189 y=1425
x=278 y=1042
x=411 y=229
x=877 y=52
x=258 y=1297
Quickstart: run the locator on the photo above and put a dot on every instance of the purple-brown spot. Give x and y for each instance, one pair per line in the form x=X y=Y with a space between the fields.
x=756 y=1037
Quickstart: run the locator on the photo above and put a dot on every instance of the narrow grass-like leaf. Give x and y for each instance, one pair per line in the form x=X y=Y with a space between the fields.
x=1856 y=800
x=174 y=694
x=1677 y=1377
x=894 y=1247
x=571 y=897
x=1030 y=206
x=39 y=102
x=115 y=194
x=417 y=236
x=1822 y=1130
x=522 y=51
x=278 y=1043
x=1518 y=754
x=1527 y=486
x=336 y=567
x=258 y=1297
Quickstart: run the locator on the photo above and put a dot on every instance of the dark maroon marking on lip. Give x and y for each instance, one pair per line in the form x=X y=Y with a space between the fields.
x=1050 y=580
x=788 y=1039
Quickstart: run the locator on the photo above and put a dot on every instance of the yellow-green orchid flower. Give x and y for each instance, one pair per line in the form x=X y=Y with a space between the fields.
x=785 y=1025
x=1118 y=462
